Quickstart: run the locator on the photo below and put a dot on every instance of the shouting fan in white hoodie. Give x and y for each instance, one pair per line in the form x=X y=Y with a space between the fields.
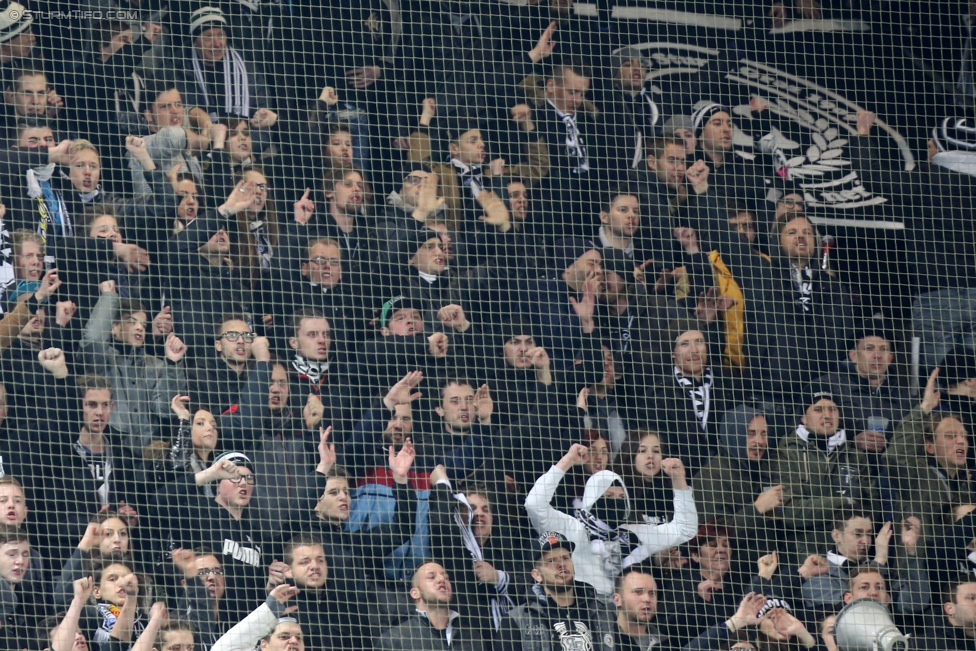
x=604 y=544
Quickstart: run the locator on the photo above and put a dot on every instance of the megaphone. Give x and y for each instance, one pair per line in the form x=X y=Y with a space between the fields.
x=865 y=625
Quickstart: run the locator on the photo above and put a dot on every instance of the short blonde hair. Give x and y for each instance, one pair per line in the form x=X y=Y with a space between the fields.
x=81 y=145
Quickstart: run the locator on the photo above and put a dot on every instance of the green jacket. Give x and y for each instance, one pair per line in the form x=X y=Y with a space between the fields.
x=725 y=493
x=816 y=483
x=924 y=489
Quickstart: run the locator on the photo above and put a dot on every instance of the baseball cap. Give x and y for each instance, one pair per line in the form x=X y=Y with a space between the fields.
x=550 y=540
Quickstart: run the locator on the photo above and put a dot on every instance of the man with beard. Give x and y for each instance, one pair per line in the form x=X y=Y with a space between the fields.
x=563 y=308
x=346 y=194
x=620 y=217
x=928 y=460
x=799 y=317
x=434 y=625
x=735 y=488
x=329 y=610
x=559 y=611
x=604 y=544
x=821 y=471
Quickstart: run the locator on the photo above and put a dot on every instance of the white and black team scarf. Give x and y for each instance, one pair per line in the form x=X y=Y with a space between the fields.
x=803 y=284
x=472 y=177
x=833 y=443
x=699 y=393
x=574 y=142
x=314 y=371
x=237 y=92
x=262 y=243
x=616 y=548
x=501 y=603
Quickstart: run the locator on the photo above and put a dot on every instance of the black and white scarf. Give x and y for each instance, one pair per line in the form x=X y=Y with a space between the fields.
x=616 y=548
x=314 y=371
x=699 y=393
x=574 y=141
x=262 y=243
x=830 y=445
x=803 y=284
x=472 y=177
x=501 y=603
x=237 y=92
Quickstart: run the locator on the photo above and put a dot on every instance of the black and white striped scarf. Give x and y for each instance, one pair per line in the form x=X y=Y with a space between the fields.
x=699 y=393
x=616 y=548
x=472 y=177
x=574 y=141
x=803 y=284
x=262 y=243
x=501 y=603
x=237 y=92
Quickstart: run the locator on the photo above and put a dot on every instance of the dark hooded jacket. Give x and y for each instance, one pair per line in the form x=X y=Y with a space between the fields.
x=728 y=486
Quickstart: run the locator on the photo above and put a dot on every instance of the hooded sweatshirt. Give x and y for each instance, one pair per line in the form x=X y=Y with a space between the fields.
x=604 y=545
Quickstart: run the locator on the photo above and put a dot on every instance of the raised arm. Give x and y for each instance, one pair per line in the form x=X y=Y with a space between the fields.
x=63 y=637
x=543 y=516
x=246 y=634
x=683 y=526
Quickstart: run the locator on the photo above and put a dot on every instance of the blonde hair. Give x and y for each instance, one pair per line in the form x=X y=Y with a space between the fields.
x=81 y=145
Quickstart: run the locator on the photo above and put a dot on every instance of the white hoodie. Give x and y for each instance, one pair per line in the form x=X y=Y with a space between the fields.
x=589 y=556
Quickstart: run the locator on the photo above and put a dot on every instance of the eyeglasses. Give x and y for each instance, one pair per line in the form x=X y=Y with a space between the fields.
x=243 y=479
x=413 y=179
x=204 y=572
x=320 y=260
x=234 y=336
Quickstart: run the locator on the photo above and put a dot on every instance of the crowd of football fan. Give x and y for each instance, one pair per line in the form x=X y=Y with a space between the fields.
x=425 y=325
